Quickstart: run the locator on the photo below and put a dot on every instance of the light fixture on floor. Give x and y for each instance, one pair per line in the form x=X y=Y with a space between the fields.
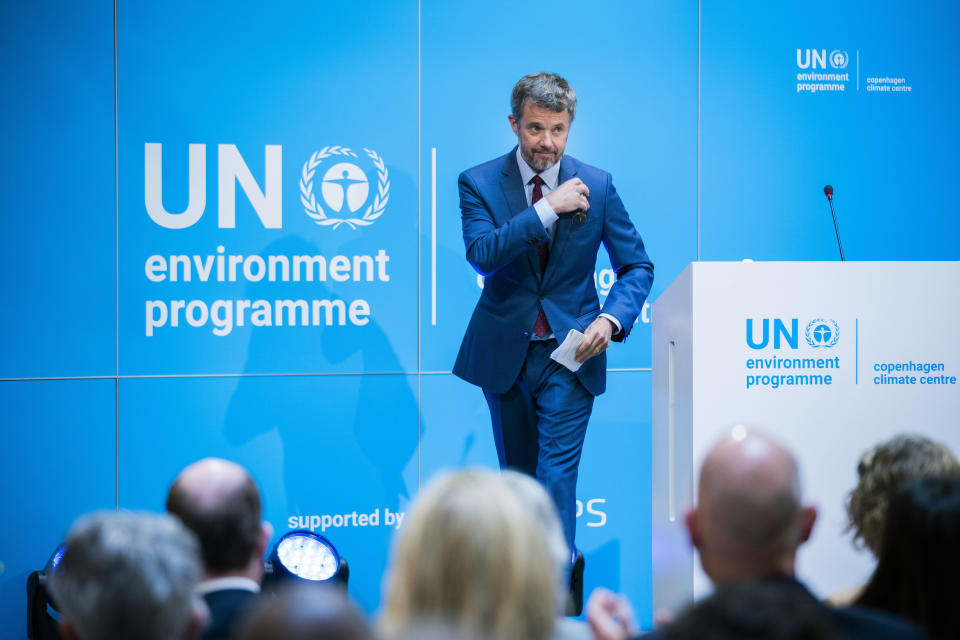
x=304 y=555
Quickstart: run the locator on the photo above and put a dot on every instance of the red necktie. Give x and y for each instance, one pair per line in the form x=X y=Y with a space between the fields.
x=541 y=327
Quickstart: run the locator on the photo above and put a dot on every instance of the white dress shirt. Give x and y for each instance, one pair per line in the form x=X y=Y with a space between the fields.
x=551 y=178
x=228 y=582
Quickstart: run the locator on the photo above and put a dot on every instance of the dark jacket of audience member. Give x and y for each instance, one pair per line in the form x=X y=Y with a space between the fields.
x=733 y=615
x=919 y=559
x=775 y=609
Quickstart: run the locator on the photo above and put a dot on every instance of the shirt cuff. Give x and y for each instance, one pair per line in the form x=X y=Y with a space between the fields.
x=616 y=323
x=547 y=215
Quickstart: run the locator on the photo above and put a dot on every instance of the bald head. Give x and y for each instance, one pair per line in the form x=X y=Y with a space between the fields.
x=218 y=500
x=749 y=520
x=211 y=481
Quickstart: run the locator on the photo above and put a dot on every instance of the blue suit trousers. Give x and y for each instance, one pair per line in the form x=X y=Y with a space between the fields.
x=539 y=424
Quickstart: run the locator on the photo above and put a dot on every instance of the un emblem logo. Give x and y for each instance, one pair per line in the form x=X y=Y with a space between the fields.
x=344 y=183
x=839 y=59
x=822 y=333
x=344 y=189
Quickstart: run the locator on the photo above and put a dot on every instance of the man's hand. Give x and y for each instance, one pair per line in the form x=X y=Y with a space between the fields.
x=570 y=196
x=610 y=616
x=596 y=339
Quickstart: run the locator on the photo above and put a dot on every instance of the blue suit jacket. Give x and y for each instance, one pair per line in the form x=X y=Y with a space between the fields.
x=501 y=234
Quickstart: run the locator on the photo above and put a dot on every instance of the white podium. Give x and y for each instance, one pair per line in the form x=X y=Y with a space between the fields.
x=829 y=357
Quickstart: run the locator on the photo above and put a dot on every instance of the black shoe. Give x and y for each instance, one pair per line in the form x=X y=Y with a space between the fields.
x=575 y=599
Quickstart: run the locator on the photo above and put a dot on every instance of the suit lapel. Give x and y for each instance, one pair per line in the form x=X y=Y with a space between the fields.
x=512 y=186
x=565 y=224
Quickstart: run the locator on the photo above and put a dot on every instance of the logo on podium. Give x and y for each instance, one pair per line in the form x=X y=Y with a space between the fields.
x=839 y=59
x=822 y=333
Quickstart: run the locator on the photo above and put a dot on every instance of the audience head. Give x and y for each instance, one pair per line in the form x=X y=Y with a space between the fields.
x=542 y=506
x=127 y=575
x=471 y=554
x=220 y=503
x=919 y=558
x=767 y=609
x=749 y=520
x=305 y=612
x=881 y=471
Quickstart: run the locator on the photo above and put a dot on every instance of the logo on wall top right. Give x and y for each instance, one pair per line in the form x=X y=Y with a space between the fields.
x=821 y=332
x=839 y=59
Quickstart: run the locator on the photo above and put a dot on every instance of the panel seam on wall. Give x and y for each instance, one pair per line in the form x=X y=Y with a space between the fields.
x=116 y=255
x=56 y=378
x=699 y=39
x=167 y=376
x=116 y=440
x=419 y=244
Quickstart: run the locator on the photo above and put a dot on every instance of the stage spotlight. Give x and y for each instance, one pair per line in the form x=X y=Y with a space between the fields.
x=42 y=614
x=307 y=556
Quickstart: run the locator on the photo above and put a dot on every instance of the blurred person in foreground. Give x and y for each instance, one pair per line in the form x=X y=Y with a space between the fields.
x=129 y=576
x=219 y=501
x=753 y=610
x=919 y=559
x=748 y=523
x=472 y=555
x=881 y=471
x=304 y=612
x=540 y=504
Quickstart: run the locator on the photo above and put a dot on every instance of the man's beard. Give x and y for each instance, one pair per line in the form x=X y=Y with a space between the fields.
x=541 y=163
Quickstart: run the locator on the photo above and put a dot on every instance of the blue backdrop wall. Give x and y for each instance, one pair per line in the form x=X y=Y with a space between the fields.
x=186 y=273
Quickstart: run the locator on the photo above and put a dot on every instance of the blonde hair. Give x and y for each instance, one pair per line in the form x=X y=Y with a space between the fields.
x=471 y=554
x=541 y=505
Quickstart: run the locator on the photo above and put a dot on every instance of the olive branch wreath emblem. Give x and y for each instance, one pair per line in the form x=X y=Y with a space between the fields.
x=316 y=212
x=834 y=332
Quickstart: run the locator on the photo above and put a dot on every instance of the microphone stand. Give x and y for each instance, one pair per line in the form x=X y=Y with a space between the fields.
x=835 y=227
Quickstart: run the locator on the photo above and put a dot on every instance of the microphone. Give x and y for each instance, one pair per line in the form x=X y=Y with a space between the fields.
x=828 y=191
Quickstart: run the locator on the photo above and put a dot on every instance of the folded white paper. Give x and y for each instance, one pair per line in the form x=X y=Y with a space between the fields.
x=566 y=353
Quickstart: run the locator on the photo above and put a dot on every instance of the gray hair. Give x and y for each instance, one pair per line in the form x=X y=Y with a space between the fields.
x=544 y=90
x=127 y=575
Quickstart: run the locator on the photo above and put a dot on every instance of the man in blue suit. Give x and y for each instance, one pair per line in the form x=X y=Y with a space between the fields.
x=533 y=222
